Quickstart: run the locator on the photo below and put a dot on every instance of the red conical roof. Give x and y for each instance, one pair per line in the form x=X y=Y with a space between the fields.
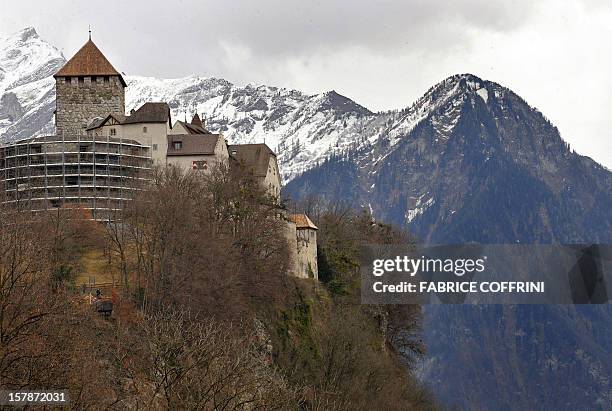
x=88 y=61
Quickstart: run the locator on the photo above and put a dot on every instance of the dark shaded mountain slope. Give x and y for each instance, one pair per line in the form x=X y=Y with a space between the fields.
x=472 y=161
x=482 y=165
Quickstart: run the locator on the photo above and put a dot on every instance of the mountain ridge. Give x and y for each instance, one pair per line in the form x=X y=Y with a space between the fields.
x=454 y=133
x=303 y=129
x=473 y=162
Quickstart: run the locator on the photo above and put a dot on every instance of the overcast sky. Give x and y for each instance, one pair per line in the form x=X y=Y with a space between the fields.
x=383 y=54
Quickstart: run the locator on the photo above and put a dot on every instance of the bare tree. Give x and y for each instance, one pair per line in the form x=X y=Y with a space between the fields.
x=185 y=363
x=206 y=240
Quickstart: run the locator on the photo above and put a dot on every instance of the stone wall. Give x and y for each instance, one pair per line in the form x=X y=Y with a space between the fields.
x=79 y=100
x=307 y=253
x=272 y=181
x=292 y=257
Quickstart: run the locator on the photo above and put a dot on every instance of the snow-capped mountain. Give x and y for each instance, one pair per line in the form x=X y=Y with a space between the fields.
x=472 y=162
x=471 y=141
x=461 y=121
x=27 y=95
x=303 y=129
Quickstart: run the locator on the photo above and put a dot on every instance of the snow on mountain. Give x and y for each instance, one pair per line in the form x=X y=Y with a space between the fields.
x=302 y=129
x=471 y=161
x=27 y=63
x=422 y=165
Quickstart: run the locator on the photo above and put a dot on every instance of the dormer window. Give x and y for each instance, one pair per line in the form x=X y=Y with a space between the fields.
x=177 y=145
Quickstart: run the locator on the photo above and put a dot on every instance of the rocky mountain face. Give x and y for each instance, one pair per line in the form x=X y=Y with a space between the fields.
x=302 y=129
x=468 y=161
x=472 y=161
x=27 y=96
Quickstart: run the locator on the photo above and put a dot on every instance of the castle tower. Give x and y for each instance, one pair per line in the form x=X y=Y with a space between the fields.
x=88 y=86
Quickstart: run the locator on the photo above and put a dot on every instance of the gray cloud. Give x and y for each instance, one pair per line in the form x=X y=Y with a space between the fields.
x=292 y=27
x=166 y=38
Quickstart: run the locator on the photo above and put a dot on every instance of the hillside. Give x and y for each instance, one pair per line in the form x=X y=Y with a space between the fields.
x=197 y=317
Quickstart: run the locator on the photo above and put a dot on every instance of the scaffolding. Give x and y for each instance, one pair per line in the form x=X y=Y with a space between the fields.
x=91 y=172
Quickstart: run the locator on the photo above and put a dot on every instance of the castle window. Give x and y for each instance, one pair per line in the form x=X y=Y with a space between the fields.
x=113 y=131
x=144 y=130
x=106 y=79
x=154 y=147
x=94 y=79
x=67 y=80
x=81 y=79
x=177 y=145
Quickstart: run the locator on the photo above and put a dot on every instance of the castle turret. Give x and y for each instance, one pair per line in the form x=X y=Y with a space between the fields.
x=88 y=86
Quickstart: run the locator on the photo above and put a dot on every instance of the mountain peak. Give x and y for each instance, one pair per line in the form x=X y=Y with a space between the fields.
x=467 y=77
x=28 y=32
x=21 y=36
x=454 y=89
x=444 y=99
x=462 y=83
x=332 y=100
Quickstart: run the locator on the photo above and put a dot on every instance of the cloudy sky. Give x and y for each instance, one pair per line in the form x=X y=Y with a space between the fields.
x=384 y=54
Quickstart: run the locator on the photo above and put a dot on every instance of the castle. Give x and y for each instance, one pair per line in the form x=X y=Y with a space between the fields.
x=98 y=151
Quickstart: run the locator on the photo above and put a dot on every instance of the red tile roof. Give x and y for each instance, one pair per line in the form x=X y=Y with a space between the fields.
x=302 y=221
x=88 y=61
